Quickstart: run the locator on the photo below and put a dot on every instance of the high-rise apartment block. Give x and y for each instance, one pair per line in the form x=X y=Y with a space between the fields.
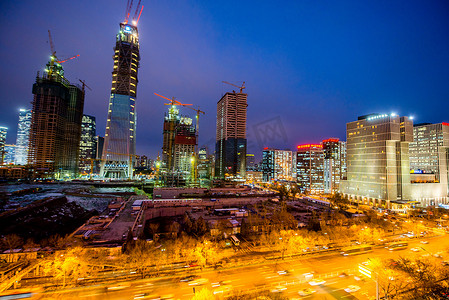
x=23 y=136
x=334 y=164
x=310 y=168
x=277 y=165
x=230 y=148
x=55 y=129
x=88 y=149
x=120 y=137
x=378 y=159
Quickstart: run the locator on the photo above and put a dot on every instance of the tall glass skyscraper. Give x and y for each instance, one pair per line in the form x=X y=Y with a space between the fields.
x=23 y=136
x=3 y=132
x=88 y=145
x=230 y=147
x=120 y=137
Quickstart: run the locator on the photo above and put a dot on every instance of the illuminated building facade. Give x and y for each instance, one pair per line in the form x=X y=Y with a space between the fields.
x=429 y=156
x=23 y=136
x=88 y=149
x=230 y=147
x=334 y=164
x=429 y=150
x=277 y=165
x=10 y=151
x=310 y=168
x=378 y=159
x=178 y=148
x=3 y=133
x=185 y=141
x=120 y=136
x=55 y=129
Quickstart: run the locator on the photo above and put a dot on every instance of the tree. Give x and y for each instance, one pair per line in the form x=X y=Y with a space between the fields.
x=187 y=223
x=153 y=228
x=174 y=229
x=11 y=241
x=30 y=244
x=338 y=200
x=68 y=266
x=200 y=227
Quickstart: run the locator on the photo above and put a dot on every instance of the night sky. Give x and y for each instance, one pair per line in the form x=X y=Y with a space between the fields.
x=309 y=66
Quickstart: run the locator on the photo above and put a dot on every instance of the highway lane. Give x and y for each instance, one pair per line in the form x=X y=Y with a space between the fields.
x=263 y=277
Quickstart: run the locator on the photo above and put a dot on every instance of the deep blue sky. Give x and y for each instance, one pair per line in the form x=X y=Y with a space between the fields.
x=310 y=66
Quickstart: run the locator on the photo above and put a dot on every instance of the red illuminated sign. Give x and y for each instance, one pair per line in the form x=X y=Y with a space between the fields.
x=266 y=148
x=331 y=140
x=445 y=124
x=310 y=146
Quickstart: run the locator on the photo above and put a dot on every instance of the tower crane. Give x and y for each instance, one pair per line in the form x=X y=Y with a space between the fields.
x=53 y=58
x=172 y=101
x=84 y=84
x=136 y=18
x=242 y=87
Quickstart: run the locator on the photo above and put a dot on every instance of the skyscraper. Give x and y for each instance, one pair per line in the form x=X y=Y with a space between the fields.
x=310 y=168
x=55 y=129
x=23 y=136
x=334 y=164
x=120 y=137
x=276 y=165
x=10 y=151
x=230 y=147
x=378 y=159
x=3 y=132
x=88 y=149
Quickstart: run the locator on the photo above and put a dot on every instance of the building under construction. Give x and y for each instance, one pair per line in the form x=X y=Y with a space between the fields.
x=120 y=137
x=55 y=129
x=178 y=149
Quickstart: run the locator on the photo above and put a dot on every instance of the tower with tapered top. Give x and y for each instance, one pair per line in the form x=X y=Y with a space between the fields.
x=120 y=137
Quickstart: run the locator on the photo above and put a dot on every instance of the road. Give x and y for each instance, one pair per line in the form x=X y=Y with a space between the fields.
x=260 y=277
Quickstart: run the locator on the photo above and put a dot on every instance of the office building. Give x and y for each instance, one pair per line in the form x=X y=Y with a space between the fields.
x=277 y=165
x=55 y=129
x=429 y=156
x=88 y=147
x=250 y=162
x=23 y=136
x=204 y=164
x=99 y=142
x=334 y=164
x=3 y=133
x=230 y=148
x=120 y=137
x=9 y=156
x=310 y=168
x=378 y=165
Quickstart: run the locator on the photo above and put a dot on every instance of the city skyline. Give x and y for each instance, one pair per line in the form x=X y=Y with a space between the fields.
x=328 y=62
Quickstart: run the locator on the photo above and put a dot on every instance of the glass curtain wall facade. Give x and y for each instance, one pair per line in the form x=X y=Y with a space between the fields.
x=378 y=159
x=120 y=137
x=277 y=165
x=23 y=136
x=310 y=168
x=88 y=149
x=230 y=147
x=334 y=164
